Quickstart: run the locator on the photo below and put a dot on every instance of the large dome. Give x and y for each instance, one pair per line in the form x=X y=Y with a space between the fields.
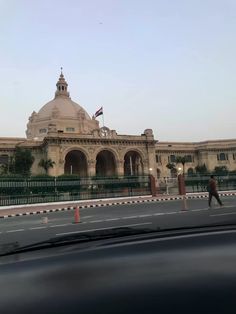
x=64 y=106
x=60 y=114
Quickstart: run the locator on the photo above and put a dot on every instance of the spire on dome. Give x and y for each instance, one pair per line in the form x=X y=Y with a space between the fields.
x=62 y=86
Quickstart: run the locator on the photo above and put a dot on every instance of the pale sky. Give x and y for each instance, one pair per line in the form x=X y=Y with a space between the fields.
x=168 y=65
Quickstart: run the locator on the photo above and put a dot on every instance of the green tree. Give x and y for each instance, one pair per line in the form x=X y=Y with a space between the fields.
x=221 y=170
x=201 y=169
x=46 y=164
x=22 y=161
x=181 y=160
x=170 y=166
x=3 y=169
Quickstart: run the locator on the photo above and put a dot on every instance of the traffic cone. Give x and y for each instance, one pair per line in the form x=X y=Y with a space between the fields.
x=45 y=220
x=77 y=215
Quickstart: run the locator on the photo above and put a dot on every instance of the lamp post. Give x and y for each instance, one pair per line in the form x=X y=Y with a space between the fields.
x=181 y=186
x=152 y=183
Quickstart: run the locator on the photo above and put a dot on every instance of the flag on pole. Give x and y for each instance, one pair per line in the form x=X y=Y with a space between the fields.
x=98 y=112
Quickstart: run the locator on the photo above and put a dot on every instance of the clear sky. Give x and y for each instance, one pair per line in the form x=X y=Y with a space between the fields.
x=168 y=65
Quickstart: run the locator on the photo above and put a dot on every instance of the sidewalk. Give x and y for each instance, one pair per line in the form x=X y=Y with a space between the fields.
x=32 y=209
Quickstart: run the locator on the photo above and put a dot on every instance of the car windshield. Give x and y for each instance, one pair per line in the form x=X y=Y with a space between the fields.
x=117 y=118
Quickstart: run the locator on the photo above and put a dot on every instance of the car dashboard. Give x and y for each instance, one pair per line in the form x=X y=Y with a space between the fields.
x=177 y=273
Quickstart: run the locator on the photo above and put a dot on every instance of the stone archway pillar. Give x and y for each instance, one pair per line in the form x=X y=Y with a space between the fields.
x=120 y=168
x=60 y=168
x=91 y=168
x=52 y=152
x=146 y=167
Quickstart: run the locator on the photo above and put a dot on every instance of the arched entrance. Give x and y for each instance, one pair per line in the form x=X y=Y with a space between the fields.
x=76 y=163
x=133 y=164
x=105 y=164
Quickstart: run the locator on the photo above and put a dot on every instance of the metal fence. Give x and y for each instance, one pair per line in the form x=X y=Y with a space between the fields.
x=199 y=184
x=195 y=184
x=15 y=191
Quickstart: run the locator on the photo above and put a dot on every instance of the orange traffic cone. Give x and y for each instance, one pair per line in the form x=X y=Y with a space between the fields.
x=77 y=215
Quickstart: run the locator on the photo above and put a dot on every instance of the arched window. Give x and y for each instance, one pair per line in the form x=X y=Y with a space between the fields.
x=189 y=158
x=190 y=172
x=172 y=158
x=158 y=158
x=4 y=159
x=158 y=173
x=222 y=156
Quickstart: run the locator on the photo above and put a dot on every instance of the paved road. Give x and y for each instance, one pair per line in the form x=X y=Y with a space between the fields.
x=168 y=214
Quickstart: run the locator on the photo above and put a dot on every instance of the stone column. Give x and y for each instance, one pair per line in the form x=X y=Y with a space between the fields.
x=120 y=168
x=53 y=154
x=146 y=167
x=60 y=167
x=91 y=168
x=150 y=150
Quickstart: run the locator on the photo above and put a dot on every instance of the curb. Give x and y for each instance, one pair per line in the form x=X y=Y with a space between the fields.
x=113 y=204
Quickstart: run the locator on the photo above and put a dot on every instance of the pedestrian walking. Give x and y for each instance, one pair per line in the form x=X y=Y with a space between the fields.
x=213 y=191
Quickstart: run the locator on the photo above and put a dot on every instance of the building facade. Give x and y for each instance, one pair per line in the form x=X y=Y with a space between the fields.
x=212 y=154
x=63 y=132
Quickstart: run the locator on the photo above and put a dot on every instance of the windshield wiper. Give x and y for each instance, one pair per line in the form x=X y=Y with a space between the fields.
x=77 y=238
x=112 y=233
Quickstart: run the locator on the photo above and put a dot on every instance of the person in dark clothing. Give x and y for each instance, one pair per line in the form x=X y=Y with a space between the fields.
x=213 y=191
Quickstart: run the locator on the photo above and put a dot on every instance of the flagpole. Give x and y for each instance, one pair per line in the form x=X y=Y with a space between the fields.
x=102 y=117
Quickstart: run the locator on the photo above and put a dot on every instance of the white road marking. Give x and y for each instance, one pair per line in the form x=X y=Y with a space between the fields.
x=37 y=228
x=94 y=221
x=90 y=230
x=62 y=225
x=199 y=209
x=224 y=214
x=112 y=219
x=172 y=213
x=129 y=217
x=17 y=230
x=142 y=216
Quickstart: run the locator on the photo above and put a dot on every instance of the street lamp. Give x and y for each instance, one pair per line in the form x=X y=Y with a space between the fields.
x=152 y=182
x=181 y=186
x=179 y=170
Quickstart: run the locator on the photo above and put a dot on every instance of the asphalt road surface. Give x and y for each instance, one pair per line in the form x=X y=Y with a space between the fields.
x=168 y=214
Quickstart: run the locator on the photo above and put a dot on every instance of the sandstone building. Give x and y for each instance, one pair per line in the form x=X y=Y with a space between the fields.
x=65 y=133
